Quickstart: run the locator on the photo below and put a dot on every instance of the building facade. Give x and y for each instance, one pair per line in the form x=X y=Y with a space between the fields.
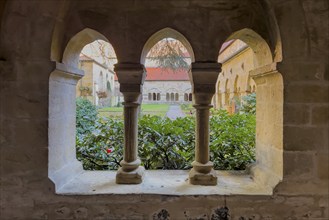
x=97 y=85
x=163 y=86
x=167 y=86
x=234 y=81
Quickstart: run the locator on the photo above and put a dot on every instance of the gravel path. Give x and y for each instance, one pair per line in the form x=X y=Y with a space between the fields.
x=175 y=112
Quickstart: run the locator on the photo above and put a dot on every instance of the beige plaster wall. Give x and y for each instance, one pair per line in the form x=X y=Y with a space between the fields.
x=26 y=39
x=234 y=80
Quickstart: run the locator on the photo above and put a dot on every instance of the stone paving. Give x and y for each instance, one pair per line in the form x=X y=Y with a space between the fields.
x=175 y=112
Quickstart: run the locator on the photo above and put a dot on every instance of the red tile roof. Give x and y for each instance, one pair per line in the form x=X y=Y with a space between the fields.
x=160 y=74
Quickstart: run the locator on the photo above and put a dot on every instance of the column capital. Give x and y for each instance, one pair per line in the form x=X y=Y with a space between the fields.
x=204 y=76
x=130 y=73
x=131 y=77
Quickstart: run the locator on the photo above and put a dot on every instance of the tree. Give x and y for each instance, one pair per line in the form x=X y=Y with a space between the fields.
x=169 y=54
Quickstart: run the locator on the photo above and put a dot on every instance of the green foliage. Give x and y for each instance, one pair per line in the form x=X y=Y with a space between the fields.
x=86 y=115
x=93 y=148
x=167 y=144
x=249 y=104
x=232 y=140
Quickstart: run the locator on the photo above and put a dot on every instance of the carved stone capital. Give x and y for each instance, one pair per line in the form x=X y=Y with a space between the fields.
x=131 y=77
x=204 y=76
x=130 y=74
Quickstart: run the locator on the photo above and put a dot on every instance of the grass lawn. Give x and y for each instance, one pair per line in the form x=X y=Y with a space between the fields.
x=155 y=107
x=187 y=109
x=152 y=109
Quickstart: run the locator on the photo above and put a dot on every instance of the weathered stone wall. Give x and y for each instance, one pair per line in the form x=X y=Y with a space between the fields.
x=33 y=31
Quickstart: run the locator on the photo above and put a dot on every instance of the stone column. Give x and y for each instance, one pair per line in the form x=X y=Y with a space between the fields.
x=203 y=77
x=131 y=78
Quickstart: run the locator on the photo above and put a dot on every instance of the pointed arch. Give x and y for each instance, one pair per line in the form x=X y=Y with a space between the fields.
x=76 y=44
x=165 y=33
x=262 y=51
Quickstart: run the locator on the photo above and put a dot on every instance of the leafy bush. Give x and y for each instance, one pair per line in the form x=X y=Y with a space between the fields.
x=167 y=144
x=86 y=115
x=232 y=140
x=101 y=149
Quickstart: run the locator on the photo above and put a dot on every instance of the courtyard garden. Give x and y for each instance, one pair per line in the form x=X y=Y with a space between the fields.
x=164 y=143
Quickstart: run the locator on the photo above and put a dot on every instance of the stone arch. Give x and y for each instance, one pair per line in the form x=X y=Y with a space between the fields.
x=262 y=51
x=164 y=33
x=76 y=44
x=269 y=82
x=62 y=94
x=57 y=49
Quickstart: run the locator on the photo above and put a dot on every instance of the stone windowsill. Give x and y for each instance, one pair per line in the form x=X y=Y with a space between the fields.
x=168 y=182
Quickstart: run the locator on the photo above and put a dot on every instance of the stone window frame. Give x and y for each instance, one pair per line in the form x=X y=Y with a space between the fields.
x=69 y=177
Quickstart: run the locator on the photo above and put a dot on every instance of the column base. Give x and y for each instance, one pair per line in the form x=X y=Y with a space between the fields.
x=205 y=179
x=130 y=177
x=203 y=174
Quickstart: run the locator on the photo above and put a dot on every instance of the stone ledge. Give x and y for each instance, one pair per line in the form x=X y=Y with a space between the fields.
x=169 y=182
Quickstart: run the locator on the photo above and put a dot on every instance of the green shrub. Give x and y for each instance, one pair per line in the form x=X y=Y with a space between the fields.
x=248 y=104
x=232 y=140
x=101 y=149
x=167 y=144
x=86 y=115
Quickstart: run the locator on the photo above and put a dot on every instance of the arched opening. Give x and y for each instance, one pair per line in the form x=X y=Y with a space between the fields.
x=97 y=60
x=218 y=95
x=185 y=97
x=176 y=97
x=75 y=78
x=227 y=93
x=162 y=34
x=256 y=71
x=167 y=56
